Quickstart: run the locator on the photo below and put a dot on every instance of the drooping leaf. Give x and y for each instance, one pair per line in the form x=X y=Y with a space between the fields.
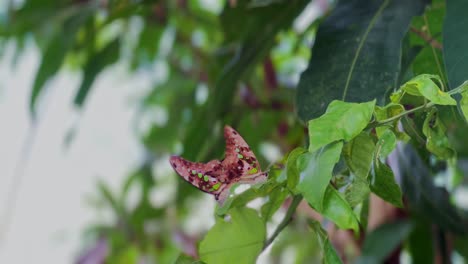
x=358 y=154
x=316 y=174
x=454 y=38
x=382 y=241
x=338 y=210
x=342 y=121
x=97 y=62
x=463 y=104
x=436 y=140
x=424 y=198
x=292 y=171
x=424 y=85
x=238 y=240
x=329 y=254
x=357 y=54
x=384 y=185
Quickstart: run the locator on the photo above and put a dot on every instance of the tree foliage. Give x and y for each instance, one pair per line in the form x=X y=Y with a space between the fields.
x=379 y=110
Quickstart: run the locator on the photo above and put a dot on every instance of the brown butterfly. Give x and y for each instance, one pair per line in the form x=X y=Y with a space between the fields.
x=216 y=177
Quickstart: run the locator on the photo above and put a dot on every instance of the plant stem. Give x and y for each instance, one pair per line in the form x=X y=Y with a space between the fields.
x=286 y=220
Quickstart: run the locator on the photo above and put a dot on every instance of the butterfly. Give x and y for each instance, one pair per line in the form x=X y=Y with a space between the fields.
x=217 y=176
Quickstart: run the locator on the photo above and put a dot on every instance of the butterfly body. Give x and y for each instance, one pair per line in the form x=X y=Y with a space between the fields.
x=216 y=177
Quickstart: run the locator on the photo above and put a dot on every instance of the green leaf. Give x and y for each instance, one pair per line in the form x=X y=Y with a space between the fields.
x=247 y=196
x=347 y=60
x=424 y=85
x=316 y=175
x=338 y=210
x=292 y=171
x=55 y=52
x=384 y=185
x=386 y=143
x=342 y=121
x=357 y=191
x=461 y=246
x=329 y=253
x=184 y=259
x=420 y=242
x=463 y=104
x=424 y=198
x=358 y=154
x=275 y=200
x=386 y=112
x=436 y=140
x=238 y=240
x=455 y=38
x=429 y=60
x=96 y=63
x=380 y=243
x=130 y=254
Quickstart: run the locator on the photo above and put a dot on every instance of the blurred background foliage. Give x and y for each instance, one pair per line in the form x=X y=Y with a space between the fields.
x=239 y=62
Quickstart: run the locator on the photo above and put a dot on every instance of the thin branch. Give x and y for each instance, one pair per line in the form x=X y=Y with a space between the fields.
x=286 y=220
x=427 y=38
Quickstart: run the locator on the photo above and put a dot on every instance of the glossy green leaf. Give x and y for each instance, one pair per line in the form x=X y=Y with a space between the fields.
x=292 y=171
x=338 y=210
x=237 y=240
x=358 y=154
x=330 y=256
x=342 y=121
x=356 y=55
x=384 y=185
x=455 y=38
x=436 y=140
x=315 y=177
x=97 y=62
x=424 y=198
x=424 y=85
x=380 y=243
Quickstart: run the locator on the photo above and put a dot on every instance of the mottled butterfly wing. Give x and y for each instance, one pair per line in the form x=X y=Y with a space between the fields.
x=215 y=177
x=204 y=176
x=240 y=161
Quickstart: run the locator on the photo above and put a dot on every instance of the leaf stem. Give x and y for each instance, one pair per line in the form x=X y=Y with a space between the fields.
x=286 y=220
x=462 y=88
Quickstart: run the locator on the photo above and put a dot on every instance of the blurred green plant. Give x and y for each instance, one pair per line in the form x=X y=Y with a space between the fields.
x=383 y=101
